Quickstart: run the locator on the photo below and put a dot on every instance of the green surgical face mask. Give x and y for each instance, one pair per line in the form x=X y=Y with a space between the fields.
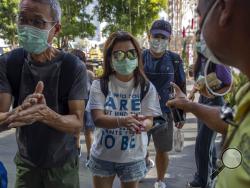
x=125 y=67
x=198 y=47
x=32 y=39
x=158 y=45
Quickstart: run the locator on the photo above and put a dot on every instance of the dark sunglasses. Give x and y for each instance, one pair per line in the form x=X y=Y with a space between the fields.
x=120 y=55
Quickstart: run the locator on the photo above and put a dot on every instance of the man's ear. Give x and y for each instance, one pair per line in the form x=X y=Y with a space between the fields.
x=226 y=8
x=58 y=27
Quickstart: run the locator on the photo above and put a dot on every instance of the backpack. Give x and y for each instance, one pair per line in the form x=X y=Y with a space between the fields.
x=3 y=176
x=105 y=89
x=15 y=60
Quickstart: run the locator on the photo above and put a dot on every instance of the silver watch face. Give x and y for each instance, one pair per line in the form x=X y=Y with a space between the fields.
x=232 y=158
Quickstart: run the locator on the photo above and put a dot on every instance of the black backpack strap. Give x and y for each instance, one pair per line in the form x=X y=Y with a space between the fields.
x=104 y=87
x=144 y=90
x=14 y=64
x=176 y=61
x=66 y=79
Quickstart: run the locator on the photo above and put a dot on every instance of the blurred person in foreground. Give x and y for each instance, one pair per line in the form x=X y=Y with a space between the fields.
x=225 y=28
x=219 y=78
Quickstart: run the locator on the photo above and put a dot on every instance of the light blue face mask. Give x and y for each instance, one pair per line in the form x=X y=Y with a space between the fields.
x=158 y=45
x=32 y=39
x=125 y=67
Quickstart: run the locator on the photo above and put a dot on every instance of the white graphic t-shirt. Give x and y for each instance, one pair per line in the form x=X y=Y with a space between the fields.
x=121 y=145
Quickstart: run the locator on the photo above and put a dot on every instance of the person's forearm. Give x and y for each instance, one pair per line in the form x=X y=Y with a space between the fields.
x=4 y=127
x=107 y=122
x=64 y=123
x=3 y=117
x=209 y=115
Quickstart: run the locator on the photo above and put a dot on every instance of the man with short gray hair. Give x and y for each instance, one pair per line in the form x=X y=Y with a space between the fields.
x=49 y=87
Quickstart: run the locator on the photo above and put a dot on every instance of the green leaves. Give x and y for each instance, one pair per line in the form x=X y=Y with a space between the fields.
x=75 y=22
x=135 y=16
x=8 y=11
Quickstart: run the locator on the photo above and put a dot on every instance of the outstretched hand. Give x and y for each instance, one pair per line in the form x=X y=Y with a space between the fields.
x=180 y=101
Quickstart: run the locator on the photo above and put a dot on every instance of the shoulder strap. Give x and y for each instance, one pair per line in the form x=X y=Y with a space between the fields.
x=104 y=86
x=176 y=61
x=14 y=63
x=66 y=80
x=144 y=90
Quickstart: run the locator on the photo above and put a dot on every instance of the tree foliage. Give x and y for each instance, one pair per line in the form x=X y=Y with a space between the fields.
x=8 y=12
x=75 y=22
x=135 y=16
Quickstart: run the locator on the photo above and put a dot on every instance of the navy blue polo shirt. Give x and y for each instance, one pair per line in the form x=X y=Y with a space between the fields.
x=162 y=71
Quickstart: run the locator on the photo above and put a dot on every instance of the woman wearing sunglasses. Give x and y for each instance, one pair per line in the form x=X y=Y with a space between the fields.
x=122 y=115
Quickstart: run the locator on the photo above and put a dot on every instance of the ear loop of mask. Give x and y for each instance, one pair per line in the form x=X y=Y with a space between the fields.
x=49 y=45
x=207 y=85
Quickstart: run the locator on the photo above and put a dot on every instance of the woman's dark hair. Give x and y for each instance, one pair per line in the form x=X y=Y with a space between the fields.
x=122 y=36
x=197 y=64
x=80 y=54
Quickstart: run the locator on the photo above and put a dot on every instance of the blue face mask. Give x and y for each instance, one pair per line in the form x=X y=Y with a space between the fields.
x=32 y=39
x=125 y=67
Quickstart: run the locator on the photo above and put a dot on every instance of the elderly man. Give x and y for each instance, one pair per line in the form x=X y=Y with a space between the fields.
x=49 y=88
x=225 y=28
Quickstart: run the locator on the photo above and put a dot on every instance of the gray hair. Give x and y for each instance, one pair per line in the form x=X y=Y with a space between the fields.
x=55 y=8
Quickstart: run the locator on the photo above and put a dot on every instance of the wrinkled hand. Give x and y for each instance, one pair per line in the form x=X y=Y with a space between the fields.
x=133 y=123
x=180 y=101
x=19 y=118
x=37 y=97
x=37 y=112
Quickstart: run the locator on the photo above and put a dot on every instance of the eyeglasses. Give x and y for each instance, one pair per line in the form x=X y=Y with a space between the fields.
x=120 y=55
x=35 y=22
